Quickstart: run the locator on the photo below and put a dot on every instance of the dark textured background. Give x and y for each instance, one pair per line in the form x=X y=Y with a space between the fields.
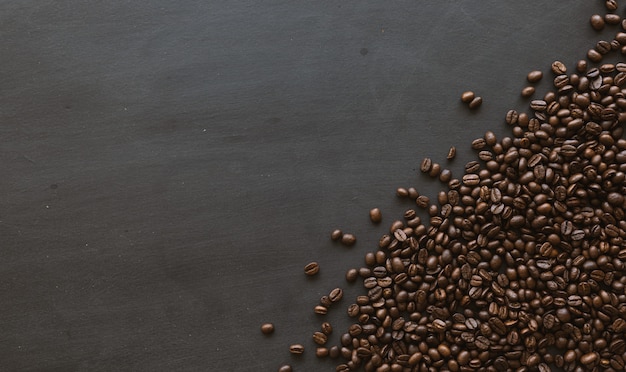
x=168 y=167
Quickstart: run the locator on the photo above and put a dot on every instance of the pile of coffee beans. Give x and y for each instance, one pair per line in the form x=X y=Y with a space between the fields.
x=521 y=264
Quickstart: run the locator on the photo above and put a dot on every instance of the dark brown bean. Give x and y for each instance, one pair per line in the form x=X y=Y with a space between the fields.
x=311 y=268
x=467 y=97
x=535 y=76
x=376 y=215
x=267 y=328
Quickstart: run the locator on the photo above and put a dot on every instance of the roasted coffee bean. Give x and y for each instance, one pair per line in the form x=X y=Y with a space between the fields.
x=558 y=68
x=320 y=338
x=336 y=235
x=375 y=215
x=597 y=22
x=327 y=328
x=451 y=153
x=296 y=349
x=348 y=239
x=426 y=165
x=352 y=275
x=536 y=75
x=335 y=295
x=527 y=92
x=285 y=368
x=312 y=268
x=475 y=103
x=267 y=328
x=467 y=97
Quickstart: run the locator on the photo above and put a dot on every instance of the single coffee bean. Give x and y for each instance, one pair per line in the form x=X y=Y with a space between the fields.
x=534 y=76
x=527 y=92
x=426 y=165
x=336 y=234
x=320 y=309
x=285 y=368
x=352 y=275
x=558 y=68
x=320 y=338
x=467 y=97
x=594 y=56
x=335 y=295
x=348 y=239
x=327 y=328
x=296 y=349
x=375 y=215
x=588 y=358
x=538 y=105
x=322 y=352
x=597 y=22
x=451 y=153
x=612 y=19
x=611 y=5
x=267 y=328
x=311 y=268
x=475 y=103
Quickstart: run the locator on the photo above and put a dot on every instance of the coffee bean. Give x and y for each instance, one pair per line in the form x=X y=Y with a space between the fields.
x=311 y=268
x=611 y=5
x=336 y=235
x=348 y=239
x=320 y=309
x=375 y=215
x=527 y=92
x=267 y=328
x=594 y=56
x=612 y=19
x=597 y=22
x=426 y=165
x=467 y=97
x=320 y=338
x=285 y=368
x=296 y=349
x=451 y=153
x=475 y=103
x=327 y=328
x=558 y=68
x=535 y=76
x=335 y=295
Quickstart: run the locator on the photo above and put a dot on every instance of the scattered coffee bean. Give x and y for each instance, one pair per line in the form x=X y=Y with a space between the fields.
x=534 y=76
x=528 y=92
x=348 y=239
x=475 y=103
x=296 y=349
x=558 y=68
x=375 y=215
x=311 y=268
x=612 y=19
x=467 y=97
x=451 y=153
x=285 y=368
x=267 y=328
x=336 y=235
x=597 y=22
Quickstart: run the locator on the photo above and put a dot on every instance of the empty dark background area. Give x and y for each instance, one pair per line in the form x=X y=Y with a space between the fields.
x=169 y=167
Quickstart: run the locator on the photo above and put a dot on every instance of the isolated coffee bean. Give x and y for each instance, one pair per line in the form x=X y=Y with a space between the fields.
x=267 y=328
x=534 y=76
x=296 y=349
x=451 y=153
x=375 y=215
x=335 y=295
x=527 y=92
x=312 y=268
x=285 y=368
x=558 y=68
